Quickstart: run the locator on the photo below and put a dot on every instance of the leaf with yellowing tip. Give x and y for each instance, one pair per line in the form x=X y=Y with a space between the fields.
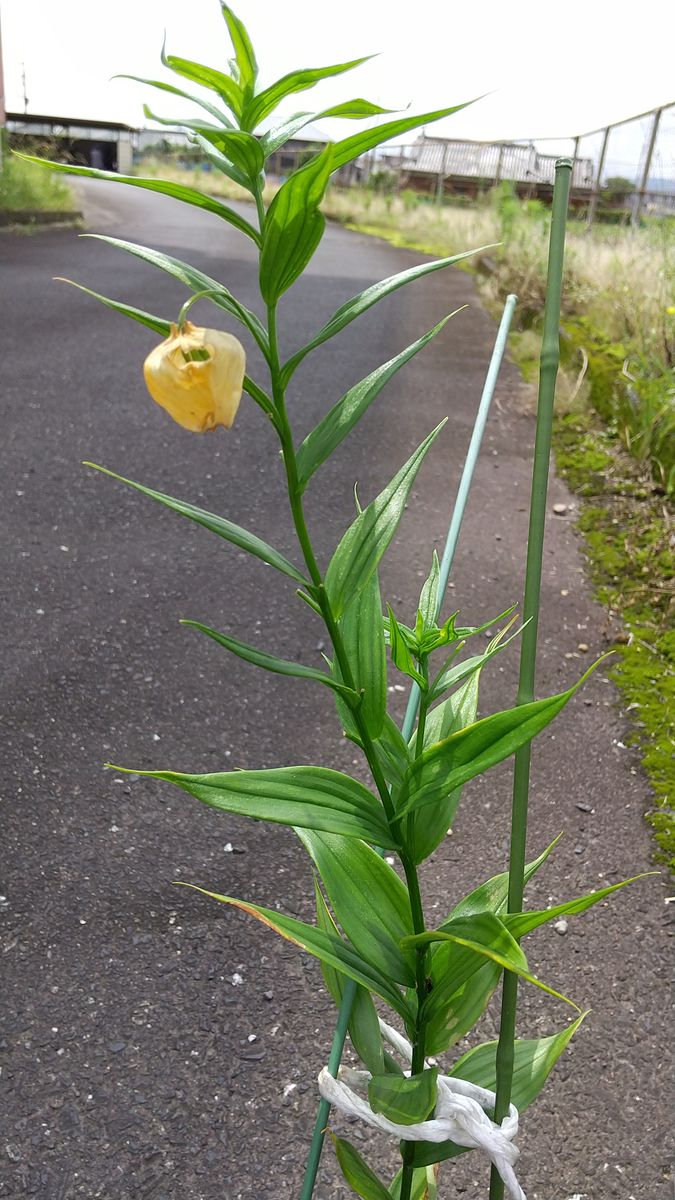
x=332 y=950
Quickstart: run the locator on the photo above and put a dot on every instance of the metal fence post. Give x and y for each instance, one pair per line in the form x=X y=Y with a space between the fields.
x=640 y=194
x=592 y=208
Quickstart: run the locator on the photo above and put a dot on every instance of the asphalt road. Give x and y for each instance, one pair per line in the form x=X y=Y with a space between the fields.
x=156 y=1045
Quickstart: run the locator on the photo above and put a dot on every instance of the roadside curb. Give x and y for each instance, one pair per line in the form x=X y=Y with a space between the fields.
x=35 y=218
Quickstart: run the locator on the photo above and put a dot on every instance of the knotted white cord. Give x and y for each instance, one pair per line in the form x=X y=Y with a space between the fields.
x=459 y=1115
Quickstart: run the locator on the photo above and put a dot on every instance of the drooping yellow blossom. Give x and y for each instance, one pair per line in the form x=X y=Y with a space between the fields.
x=197 y=376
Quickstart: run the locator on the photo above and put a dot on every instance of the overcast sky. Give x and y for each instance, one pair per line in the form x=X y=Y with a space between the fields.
x=553 y=70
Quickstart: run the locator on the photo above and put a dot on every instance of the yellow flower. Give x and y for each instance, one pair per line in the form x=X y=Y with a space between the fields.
x=197 y=376
x=671 y=310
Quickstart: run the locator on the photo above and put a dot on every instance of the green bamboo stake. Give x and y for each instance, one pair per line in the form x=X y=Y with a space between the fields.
x=549 y=361
x=341 y=1028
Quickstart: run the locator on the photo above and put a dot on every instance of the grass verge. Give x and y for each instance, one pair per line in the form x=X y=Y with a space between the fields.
x=25 y=187
x=627 y=535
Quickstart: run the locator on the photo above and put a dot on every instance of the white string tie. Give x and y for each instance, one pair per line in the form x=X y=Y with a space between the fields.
x=459 y=1115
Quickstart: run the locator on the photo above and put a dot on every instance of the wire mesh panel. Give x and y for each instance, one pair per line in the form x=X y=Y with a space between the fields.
x=622 y=172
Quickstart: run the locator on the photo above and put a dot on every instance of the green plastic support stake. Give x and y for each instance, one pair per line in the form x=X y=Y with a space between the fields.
x=339 y=1037
x=549 y=361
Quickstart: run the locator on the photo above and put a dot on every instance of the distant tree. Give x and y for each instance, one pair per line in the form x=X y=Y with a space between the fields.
x=616 y=189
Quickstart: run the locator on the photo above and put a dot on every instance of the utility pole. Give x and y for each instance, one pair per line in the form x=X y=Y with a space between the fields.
x=23 y=81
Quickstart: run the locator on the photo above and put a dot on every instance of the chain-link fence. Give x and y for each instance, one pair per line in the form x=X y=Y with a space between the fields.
x=622 y=172
x=633 y=165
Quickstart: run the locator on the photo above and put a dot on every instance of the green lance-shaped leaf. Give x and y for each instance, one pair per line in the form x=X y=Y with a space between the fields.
x=220 y=525
x=126 y=310
x=332 y=950
x=243 y=50
x=462 y=1008
x=519 y=924
x=224 y=86
x=533 y=1062
x=364 y=300
x=467 y=631
x=462 y=982
x=231 y=152
x=242 y=149
x=269 y=662
x=453 y=714
x=358 y=1174
x=175 y=91
x=304 y=797
x=451 y=763
x=404 y=1099
x=196 y=280
x=360 y=143
x=296 y=81
x=178 y=191
x=392 y=751
x=487 y=935
x=366 y=540
x=364 y=1025
x=362 y=635
x=492 y=896
x=426 y=830
x=463 y=670
x=428 y=602
x=369 y=901
x=293 y=227
x=334 y=427
x=400 y=654
x=355 y=110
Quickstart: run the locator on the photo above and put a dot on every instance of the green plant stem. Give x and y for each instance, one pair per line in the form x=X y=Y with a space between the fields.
x=422 y=954
x=410 y=870
x=260 y=207
x=418 y=1044
x=300 y=523
x=423 y=706
x=550 y=357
